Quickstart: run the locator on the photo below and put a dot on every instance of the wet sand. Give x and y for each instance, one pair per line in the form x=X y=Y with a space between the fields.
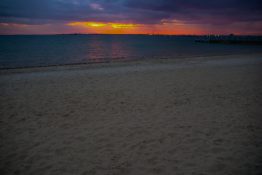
x=198 y=116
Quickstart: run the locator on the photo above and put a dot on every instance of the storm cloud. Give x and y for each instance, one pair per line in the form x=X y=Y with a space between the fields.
x=137 y=11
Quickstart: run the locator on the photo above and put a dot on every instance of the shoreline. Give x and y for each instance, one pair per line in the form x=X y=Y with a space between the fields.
x=127 y=62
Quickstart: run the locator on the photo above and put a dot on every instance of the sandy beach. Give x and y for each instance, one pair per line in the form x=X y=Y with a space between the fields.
x=197 y=116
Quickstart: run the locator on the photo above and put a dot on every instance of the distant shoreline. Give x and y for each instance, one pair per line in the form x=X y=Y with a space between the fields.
x=231 y=39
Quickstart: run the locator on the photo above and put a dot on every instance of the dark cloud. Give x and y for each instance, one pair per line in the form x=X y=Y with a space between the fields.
x=204 y=11
x=214 y=12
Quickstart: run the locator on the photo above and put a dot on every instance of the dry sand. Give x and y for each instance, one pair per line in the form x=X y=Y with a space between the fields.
x=199 y=116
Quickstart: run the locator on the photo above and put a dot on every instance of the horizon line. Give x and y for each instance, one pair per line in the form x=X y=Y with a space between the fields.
x=131 y=34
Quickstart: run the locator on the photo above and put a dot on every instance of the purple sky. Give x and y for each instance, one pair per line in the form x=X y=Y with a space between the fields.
x=201 y=16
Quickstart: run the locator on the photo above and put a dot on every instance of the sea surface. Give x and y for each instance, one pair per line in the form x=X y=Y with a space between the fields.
x=45 y=50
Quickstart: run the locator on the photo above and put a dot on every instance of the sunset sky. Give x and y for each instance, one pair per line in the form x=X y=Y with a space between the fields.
x=131 y=16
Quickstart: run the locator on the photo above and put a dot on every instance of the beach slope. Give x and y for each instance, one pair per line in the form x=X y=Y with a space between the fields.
x=198 y=116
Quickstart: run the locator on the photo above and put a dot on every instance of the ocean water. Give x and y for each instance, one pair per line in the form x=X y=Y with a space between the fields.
x=45 y=50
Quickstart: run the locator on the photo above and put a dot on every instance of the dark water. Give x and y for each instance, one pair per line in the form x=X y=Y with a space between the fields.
x=28 y=51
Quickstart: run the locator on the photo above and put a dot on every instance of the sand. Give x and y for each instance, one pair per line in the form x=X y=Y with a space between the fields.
x=199 y=116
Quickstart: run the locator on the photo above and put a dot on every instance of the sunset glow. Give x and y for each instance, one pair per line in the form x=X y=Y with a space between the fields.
x=87 y=24
x=122 y=26
x=131 y=17
x=100 y=24
x=173 y=27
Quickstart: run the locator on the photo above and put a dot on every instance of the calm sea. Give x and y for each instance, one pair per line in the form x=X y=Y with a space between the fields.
x=30 y=51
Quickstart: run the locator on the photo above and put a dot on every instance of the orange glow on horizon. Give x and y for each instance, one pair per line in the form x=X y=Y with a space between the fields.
x=88 y=24
x=100 y=24
x=121 y=26
x=163 y=28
